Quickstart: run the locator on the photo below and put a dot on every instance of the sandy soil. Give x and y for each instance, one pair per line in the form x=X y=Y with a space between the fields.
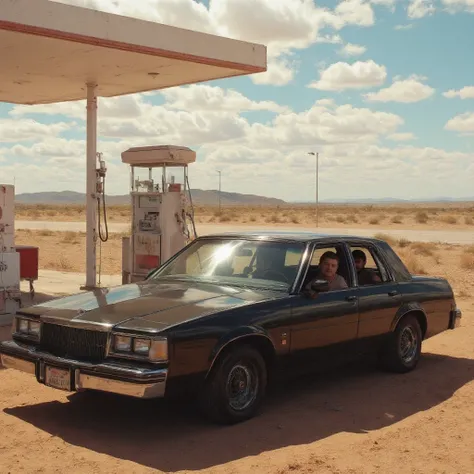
x=65 y=251
x=355 y=420
x=453 y=216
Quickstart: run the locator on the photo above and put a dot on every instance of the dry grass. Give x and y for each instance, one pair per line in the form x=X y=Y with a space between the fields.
x=389 y=239
x=424 y=248
x=425 y=216
x=421 y=217
x=65 y=251
x=467 y=261
x=449 y=220
x=413 y=263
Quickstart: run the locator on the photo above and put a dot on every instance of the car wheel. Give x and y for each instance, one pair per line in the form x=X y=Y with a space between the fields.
x=236 y=387
x=403 y=349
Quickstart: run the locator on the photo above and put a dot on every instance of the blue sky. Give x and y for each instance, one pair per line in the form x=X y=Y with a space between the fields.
x=390 y=147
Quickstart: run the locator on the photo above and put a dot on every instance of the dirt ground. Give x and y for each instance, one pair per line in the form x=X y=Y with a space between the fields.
x=355 y=420
x=65 y=251
x=429 y=216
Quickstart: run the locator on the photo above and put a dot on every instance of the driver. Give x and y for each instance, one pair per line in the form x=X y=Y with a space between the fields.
x=328 y=265
x=269 y=264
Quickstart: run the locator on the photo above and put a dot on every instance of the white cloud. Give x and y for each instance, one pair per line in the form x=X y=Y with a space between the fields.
x=466 y=92
x=49 y=147
x=359 y=75
x=12 y=130
x=199 y=97
x=202 y=114
x=182 y=13
x=454 y=6
x=385 y=3
x=261 y=158
x=285 y=26
x=330 y=39
x=326 y=103
x=126 y=106
x=282 y=25
x=403 y=27
x=420 y=8
x=322 y=125
x=352 y=50
x=462 y=123
x=402 y=90
x=279 y=73
x=353 y=12
x=401 y=137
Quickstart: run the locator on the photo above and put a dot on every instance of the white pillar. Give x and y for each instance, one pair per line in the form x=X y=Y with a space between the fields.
x=91 y=198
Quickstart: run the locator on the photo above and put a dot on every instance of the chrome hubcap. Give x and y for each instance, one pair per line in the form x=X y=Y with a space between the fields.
x=242 y=386
x=408 y=344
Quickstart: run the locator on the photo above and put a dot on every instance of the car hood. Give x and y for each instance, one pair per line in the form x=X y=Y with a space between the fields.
x=147 y=306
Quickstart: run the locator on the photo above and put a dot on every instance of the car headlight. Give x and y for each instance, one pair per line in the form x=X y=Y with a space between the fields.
x=141 y=346
x=27 y=328
x=122 y=344
x=138 y=347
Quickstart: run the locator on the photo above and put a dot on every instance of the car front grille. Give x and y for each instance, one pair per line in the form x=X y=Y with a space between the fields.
x=63 y=341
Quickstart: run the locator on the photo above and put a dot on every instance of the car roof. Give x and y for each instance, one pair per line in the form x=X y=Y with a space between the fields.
x=296 y=236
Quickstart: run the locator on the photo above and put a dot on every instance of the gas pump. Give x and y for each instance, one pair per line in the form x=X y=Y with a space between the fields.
x=160 y=210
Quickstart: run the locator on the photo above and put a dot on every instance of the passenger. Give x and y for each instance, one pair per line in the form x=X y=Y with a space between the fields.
x=365 y=276
x=328 y=265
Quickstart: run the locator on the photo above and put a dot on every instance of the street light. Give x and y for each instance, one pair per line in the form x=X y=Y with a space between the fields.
x=219 y=195
x=317 y=182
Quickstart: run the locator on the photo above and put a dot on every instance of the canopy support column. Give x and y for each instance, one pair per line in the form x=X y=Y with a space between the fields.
x=91 y=187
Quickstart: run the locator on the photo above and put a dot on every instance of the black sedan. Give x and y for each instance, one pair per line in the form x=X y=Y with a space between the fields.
x=231 y=312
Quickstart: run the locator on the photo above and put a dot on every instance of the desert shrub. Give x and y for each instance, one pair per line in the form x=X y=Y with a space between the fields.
x=421 y=217
x=467 y=261
x=449 y=220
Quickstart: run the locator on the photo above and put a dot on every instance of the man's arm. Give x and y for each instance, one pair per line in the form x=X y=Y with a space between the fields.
x=340 y=283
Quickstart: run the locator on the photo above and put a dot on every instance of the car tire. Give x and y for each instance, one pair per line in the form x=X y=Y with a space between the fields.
x=402 y=351
x=240 y=369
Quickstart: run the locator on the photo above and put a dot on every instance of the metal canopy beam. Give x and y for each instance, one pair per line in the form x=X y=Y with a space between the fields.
x=53 y=52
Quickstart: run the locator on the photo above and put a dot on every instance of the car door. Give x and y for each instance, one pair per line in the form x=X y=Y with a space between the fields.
x=378 y=302
x=324 y=328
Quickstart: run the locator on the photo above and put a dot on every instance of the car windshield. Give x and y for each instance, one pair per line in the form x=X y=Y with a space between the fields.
x=240 y=262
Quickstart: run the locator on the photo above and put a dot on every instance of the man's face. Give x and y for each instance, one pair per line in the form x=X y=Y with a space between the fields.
x=329 y=268
x=359 y=263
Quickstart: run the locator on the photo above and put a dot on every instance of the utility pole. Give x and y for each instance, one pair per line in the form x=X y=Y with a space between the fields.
x=219 y=190
x=317 y=185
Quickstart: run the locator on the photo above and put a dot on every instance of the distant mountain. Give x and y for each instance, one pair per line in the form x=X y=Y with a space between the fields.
x=199 y=197
x=65 y=197
x=386 y=200
x=211 y=198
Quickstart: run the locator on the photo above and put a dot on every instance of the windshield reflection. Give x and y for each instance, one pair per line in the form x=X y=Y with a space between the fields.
x=240 y=262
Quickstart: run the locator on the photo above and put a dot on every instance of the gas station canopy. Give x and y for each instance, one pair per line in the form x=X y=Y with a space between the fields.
x=50 y=51
x=53 y=52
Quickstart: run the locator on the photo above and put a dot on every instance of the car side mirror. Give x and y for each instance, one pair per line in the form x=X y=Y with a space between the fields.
x=319 y=285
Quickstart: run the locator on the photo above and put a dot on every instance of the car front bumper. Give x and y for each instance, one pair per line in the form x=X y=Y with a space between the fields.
x=74 y=376
x=455 y=318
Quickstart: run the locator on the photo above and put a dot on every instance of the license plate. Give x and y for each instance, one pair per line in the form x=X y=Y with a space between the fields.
x=58 y=378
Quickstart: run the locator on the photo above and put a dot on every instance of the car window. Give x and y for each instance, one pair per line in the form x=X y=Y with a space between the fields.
x=342 y=268
x=239 y=261
x=319 y=251
x=371 y=272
